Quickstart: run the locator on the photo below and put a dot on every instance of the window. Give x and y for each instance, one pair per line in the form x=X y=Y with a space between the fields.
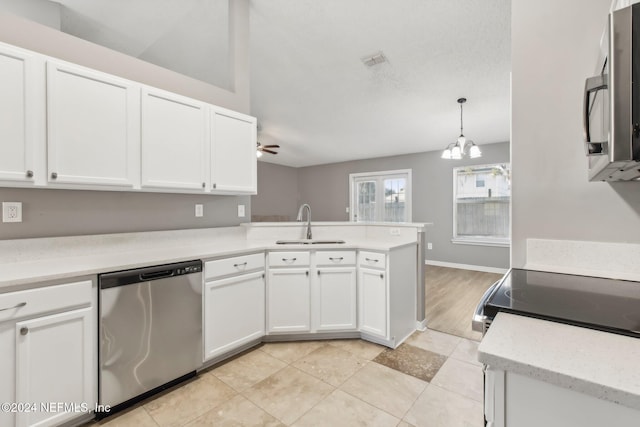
x=481 y=197
x=380 y=196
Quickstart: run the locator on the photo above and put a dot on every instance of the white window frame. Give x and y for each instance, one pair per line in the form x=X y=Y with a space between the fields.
x=379 y=176
x=503 y=242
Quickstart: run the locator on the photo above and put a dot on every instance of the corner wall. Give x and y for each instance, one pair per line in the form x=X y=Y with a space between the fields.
x=554 y=47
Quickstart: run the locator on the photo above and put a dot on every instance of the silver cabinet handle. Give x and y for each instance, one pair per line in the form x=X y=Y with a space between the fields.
x=381 y=276
x=204 y=185
x=215 y=185
x=371 y=260
x=22 y=304
x=29 y=174
x=289 y=259
x=306 y=273
x=318 y=272
x=240 y=265
x=54 y=175
x=336 y=259
x=24 y=330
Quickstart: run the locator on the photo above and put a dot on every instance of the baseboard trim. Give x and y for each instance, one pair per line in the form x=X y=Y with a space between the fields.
x=421 y=325
x=466 y=266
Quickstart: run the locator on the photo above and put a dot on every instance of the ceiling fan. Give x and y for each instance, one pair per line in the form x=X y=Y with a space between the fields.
x=265 y=149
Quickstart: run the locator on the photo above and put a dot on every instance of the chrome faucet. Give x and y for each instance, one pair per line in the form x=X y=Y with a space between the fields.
x=299 y=218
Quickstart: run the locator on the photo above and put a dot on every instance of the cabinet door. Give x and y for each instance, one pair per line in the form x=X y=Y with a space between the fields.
x=336 y=299
x=92 y=127
x=372 y=287
x=233 y=313
x=289 y=300
x=174 y=140
x=54 y=363
x=233 y=153
x=21 y=113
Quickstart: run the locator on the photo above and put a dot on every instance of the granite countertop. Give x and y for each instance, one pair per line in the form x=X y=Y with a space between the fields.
x=596 y=363
x=45 y=260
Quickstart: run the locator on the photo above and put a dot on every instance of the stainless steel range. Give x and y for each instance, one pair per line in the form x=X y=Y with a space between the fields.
x=598 y=303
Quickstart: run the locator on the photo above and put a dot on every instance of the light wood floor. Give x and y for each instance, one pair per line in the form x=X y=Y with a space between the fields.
x=451 y=297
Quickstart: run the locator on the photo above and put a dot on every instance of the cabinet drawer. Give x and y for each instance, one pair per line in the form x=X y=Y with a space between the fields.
x=335 y=257
x=372 y=259
x=233 y=265
x=32 y=302
x=288 y=259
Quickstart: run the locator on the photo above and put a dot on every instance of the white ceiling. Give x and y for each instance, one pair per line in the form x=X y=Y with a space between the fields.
x=313 y=95
x=309 y=88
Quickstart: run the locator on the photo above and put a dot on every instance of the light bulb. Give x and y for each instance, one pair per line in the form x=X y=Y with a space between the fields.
x=446 y=154
x=474 y=152
x=258 y=153
x=456 y=152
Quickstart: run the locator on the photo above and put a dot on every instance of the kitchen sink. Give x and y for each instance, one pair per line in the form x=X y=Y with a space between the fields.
x=309 y=242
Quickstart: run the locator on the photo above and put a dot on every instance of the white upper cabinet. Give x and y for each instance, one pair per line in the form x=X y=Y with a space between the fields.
x=233 y=153
x=92 y=127
x=21 y=115
x=174 y=141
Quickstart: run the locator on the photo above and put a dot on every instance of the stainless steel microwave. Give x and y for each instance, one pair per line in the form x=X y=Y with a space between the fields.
x=612 y=101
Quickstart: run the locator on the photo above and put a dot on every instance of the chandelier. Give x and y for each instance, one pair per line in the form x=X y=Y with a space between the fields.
x=462 y=147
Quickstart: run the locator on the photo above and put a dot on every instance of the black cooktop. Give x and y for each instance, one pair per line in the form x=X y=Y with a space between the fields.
x=598 y=303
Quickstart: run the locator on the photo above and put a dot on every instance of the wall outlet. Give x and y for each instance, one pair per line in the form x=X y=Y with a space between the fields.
x=347 y=209
x=11 y=211
x=199 y=210
x=394 y=231
x=240 y=211
x=429 y=246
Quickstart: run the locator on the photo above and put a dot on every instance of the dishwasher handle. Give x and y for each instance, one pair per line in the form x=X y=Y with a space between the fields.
x=145 y=277
x=147 y=274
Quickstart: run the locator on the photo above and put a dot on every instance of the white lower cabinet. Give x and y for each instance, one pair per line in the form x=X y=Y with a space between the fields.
x=387 y=295
x=335 y=291
x=48 y=358
x=372 y=286
x=234 y=303
x=289 y=300
x=234 y=312
x=516 y=400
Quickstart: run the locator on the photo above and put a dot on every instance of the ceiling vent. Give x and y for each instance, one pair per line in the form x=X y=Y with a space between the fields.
x=375 y=59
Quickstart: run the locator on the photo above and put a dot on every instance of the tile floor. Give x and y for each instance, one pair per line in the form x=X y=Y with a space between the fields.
x=431 y=380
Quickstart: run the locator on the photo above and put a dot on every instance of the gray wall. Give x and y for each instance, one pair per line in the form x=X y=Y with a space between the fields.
x=67 y=212
x=51 y=213
x=552 y=198
x=278 y=195
x=326 y=189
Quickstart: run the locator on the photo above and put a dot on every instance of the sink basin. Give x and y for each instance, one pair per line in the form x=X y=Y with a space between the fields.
x=309 y=242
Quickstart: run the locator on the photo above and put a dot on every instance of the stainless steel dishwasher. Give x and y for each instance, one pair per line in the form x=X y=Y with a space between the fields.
x=150 y=331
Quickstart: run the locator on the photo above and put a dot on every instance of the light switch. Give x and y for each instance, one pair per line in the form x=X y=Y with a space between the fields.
x=240 y=211
x=199 y=210
x=429 y=246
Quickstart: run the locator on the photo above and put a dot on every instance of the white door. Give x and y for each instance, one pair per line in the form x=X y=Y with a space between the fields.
x=372 y=288
x=22 y=107
x=174 y=141
x=54 y=364
x=233 y=313
x=336 y=298
x=93 y=127
x=381 y=196
x=233 y=153
x=288 y=299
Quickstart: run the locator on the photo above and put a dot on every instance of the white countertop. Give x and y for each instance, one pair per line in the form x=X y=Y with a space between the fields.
x=33 y=262
x=599 y=364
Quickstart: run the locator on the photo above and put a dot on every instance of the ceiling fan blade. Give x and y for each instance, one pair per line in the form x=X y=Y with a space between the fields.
x=271 y=146
x=268 y=151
